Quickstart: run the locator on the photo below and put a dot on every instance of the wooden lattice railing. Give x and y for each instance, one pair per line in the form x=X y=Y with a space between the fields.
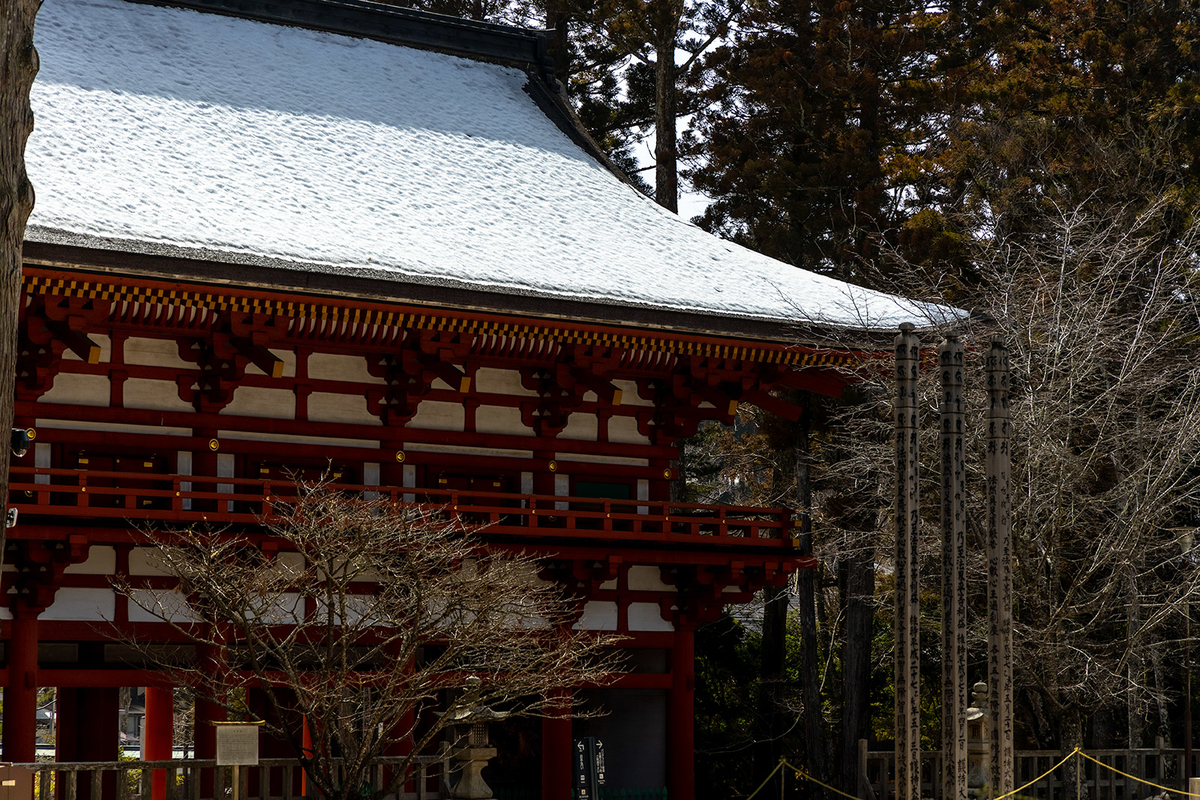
x=96 y=494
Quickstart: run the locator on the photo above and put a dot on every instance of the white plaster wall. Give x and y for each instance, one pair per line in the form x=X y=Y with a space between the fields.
x=501 y=381
x=647 y=579
x=329 y=407
x=438 y=416
x=629 y=394
x=332 y=367
x=146 y=561
x=73 y=603
x=101 y=560
x=598 y=616
x=166 y=603
x=41 y=459
x=101 y=339
x=154 y=353
x=155 y=395
x=584 y=427
x=562 y=488
x=647 y=617
x=78 y=390
x=624 y=430
x=255 y=401
x=496 y=419
x=288 y=608
x=183 y=465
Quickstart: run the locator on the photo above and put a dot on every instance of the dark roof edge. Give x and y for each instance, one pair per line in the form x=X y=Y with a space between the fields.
x=181 y=269
x=485 y=41
x=554 y=105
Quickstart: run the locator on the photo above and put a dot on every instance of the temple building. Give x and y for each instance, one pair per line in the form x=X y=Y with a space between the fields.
x=275 y=236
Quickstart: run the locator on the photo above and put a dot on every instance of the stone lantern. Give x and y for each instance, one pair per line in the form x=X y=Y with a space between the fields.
x=469 y=730
x=979 y=744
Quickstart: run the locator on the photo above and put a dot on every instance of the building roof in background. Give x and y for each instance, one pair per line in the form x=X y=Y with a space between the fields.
x=301 y=152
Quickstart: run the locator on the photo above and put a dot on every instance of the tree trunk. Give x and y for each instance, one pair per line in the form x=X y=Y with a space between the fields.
x=806 y=596
x=666 y=176
x=556 y=20
x=19 y=65
x=856 y=663
x=769 y=720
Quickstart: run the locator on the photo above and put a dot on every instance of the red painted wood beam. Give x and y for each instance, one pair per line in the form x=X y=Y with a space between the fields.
x=768 y=402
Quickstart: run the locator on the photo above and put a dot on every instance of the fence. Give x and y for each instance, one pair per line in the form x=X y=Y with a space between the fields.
x=1163 y=766
x=200 y=779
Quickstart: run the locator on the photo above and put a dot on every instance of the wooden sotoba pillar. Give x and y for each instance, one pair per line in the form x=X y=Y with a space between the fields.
x=20 y=694
x=681 y=715
x=999 y=555
x=158 y=734
x=556 y=750
x=907 y=608
x=954 y=573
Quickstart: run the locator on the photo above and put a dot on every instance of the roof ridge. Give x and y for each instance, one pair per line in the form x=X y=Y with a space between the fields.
x=524 y=48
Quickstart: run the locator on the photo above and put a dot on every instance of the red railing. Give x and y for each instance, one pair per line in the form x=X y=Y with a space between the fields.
x=97 y=494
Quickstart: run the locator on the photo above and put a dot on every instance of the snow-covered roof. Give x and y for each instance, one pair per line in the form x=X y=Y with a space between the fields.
x=171 y=131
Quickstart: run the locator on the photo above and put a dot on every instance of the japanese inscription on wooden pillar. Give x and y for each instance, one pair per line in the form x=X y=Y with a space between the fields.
x=954 y=577
x=999 y=555
x=907 y=609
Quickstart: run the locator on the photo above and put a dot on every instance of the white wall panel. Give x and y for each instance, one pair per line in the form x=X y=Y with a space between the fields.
x=155 y=353
x=255 y=401
x=647 y=617
x=647 y=579
x=598 y=616
x=153 y=395
x=329 y=407
x=101 y=560
x=74 y=603
x=78 y=390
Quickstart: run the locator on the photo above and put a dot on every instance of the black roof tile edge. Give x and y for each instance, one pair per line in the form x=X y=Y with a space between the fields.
x=485 y=41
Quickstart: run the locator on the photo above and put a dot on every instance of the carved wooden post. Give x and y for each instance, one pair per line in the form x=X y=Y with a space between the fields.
x=954 y=573
x=999 y=546
x=907 y=609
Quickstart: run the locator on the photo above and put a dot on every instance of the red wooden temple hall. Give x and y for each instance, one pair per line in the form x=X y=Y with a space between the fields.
x=286 y=236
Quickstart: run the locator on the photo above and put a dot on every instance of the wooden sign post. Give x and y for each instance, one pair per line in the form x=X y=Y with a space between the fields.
x=907 y=609
x=237 y=746
x=954 y=572
x=1000 y=579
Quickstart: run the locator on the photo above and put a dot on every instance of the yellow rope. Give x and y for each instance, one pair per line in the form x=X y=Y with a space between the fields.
x=1069 y=756
x=778 y=767
x=1135 y=778
x=803 y=775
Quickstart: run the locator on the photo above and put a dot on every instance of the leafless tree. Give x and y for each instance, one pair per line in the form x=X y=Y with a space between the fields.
x=1100 y=312
x=18 y=65
x=370 y=625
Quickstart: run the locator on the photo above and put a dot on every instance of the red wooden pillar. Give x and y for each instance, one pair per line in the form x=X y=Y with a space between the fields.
x=681 y=768
x=158 y=734
x=204 y=733
x=88 y=728
x=556 y=753
x=20 y=694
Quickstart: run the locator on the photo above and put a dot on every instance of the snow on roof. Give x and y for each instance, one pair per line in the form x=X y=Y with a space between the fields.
x=189 y=132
